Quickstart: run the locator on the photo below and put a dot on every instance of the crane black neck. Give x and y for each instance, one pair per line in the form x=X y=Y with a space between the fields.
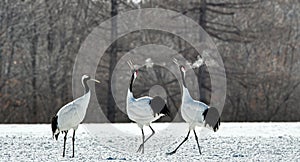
x=131 y=82
x=86 y=87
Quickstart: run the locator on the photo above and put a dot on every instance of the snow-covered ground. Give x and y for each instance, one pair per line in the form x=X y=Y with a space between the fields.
x=119 y=142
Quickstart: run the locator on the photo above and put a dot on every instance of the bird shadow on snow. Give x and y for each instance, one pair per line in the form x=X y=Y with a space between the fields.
x=125 y=147
x=35 y=144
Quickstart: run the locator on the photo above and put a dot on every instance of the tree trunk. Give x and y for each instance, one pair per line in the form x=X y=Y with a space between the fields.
x=33 y=53
x=113 y=59
x=201 y=70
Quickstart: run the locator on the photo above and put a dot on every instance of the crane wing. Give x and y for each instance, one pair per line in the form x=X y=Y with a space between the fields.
x=139 y=110
x=68 y=116
x=192 y=111
x=212 y=118
x=142 y=107
x=159 y=106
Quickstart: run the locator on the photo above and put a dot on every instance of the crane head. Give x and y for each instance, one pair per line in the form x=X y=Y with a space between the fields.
x=85 y=78
x=182 y=68
x=136 y=73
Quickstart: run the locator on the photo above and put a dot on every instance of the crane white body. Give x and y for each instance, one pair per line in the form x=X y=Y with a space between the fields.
x=72 y=114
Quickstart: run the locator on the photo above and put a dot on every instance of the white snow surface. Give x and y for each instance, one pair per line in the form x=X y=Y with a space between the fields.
x=119 y=142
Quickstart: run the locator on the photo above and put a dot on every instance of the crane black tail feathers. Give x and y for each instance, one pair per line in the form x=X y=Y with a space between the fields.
x=159 y=106
x=165 y=110
x=212 y=118
x=54 y=126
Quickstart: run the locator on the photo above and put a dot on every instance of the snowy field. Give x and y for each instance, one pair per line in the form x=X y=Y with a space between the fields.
x=119 y=142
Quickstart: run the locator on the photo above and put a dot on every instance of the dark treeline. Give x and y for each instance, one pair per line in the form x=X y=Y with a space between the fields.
x=258 y=40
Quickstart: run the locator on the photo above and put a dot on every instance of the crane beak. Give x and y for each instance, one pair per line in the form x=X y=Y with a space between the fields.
x=96 y=80
x=130 y=64
x=175 y=61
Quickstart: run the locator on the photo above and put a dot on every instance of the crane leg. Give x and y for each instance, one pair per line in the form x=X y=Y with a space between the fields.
x=196 y=137
x=65 y=139
x=153 y=132
x=73 y=140
x=143 y=136
x=173 y=152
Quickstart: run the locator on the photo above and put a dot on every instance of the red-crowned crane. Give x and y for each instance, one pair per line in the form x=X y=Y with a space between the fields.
x=144 y=110
x=72 y=114
x=195 y=113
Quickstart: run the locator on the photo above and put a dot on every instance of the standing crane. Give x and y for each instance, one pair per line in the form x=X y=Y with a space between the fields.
x=144 y=110
x=72 y=114
x=194 y=112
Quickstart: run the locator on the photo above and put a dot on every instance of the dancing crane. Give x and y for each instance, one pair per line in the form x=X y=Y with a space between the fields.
x=195 y=113
x=144 y=110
